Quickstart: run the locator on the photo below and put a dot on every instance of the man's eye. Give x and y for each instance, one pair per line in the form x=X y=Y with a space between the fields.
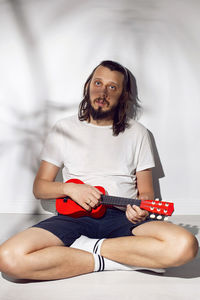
x=112 y=87
x=97 y=83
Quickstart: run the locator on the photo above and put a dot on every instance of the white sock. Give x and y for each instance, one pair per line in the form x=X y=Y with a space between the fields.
x=103 y=264
x=87 y=244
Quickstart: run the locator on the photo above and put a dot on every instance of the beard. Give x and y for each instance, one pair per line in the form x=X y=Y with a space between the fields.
x=99 y=114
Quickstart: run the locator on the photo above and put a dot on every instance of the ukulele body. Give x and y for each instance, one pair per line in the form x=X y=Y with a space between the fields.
x=66 y=206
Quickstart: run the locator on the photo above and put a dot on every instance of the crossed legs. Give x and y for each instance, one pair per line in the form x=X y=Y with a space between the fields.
x=39 y=255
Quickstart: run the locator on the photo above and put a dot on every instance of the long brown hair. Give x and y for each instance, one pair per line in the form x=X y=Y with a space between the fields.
x=128 y=105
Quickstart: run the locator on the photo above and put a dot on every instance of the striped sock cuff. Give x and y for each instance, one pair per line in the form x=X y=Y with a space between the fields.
x=97 y=246
x=99 y=263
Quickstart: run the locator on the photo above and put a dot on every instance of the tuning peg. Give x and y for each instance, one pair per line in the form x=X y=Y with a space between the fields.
x=152 y=216
x=159 y=217
x=166 y=218
x=157 y=199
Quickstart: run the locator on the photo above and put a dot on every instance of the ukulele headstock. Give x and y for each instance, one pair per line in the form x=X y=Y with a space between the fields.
x=158 y=209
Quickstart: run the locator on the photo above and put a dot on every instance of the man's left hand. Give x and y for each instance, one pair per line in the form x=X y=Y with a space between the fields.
x=135 y=214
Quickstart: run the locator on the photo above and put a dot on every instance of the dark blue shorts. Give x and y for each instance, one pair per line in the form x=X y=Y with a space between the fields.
x=113 y=224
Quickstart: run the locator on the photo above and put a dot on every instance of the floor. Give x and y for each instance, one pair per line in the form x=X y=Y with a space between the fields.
x=181 y=283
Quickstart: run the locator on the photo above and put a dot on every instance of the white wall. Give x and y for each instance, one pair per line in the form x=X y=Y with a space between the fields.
x=47 y=50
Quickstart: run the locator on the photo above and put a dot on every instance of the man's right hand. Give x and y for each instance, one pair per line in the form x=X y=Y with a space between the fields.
x=85 y=195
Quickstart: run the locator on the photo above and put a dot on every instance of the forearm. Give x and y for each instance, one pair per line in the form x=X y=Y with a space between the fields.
x=145 y=185
x=146 y=195
x=44 y=189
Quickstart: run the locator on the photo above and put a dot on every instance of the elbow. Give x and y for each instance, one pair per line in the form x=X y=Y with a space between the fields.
x=36 y=195
x=36 y=191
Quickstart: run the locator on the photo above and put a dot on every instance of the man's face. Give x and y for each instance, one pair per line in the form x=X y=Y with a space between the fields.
x=105 y=90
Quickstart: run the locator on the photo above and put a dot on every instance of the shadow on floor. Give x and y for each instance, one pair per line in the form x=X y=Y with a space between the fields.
x=192 y=228
x=22 y=281
x=189 y=270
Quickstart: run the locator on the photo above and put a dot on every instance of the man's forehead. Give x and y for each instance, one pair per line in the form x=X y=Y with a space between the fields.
x=102 y=72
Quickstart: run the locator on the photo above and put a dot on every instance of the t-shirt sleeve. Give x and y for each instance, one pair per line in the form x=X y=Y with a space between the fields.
x=53 y=147
x=145 y=157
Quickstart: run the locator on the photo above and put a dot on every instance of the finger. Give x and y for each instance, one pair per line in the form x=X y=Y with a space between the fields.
x=133 y=215
x=130 y=218
x=86 y=206
x=93 y=199
x=93 y=189
x=97 y=194
x=91 y=203
x=140 y=212
x=131 y=211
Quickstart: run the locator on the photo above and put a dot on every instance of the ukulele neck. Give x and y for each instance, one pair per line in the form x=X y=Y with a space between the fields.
x=119 y=201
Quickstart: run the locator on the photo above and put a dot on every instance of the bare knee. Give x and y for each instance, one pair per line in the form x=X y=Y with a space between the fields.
x=188 y=248
x=182 y=249
x=11 y=261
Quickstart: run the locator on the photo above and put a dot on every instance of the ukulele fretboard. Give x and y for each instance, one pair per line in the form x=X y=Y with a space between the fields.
x=119 y=201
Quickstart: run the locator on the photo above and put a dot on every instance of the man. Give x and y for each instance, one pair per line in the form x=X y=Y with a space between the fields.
x=101 y=147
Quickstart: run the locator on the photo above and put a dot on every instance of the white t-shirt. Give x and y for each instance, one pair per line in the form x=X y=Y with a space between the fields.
x=92 y=154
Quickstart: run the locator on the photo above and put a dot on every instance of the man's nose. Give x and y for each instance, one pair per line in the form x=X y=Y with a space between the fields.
x=104 y=91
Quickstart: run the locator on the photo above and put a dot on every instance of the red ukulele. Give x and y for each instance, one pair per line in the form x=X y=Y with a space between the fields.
x=67 y=206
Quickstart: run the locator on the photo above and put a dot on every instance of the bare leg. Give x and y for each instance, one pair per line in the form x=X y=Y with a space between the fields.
x=38 y=254
x=155 y=245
